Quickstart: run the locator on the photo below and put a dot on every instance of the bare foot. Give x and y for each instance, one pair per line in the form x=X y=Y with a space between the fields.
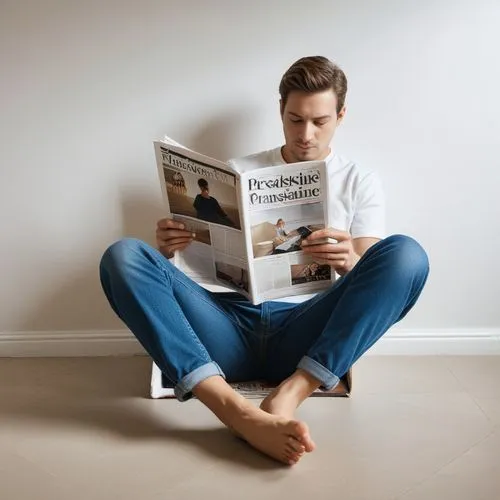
x=289 y=395
x=277 y=404
x=282 y=439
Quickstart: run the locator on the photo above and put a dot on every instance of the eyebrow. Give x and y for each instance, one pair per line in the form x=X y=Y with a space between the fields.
x=315 y=118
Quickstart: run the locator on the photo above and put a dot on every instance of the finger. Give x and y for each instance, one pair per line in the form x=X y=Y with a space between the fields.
x=175 y=241
x=174 y=248
x=165 y=243
x=329 y=232
x=327 y=248
x=169 y=224
x=167 y=234
x=322 y=262
x=338 y=265
x=330 y=257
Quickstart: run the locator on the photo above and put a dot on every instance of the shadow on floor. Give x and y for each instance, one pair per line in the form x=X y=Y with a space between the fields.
x=111 y=394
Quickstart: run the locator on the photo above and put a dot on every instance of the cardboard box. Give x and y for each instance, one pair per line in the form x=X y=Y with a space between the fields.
x=161 y=388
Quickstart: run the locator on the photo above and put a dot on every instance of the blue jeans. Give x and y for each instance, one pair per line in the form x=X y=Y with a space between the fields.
x=193 y=334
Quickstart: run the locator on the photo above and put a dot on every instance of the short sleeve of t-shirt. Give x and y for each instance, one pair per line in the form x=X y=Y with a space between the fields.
x=369 y=208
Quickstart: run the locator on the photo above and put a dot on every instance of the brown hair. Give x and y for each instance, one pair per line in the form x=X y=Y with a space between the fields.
x=314 y=74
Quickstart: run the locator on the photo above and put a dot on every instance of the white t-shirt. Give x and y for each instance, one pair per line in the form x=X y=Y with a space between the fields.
x=356 y=196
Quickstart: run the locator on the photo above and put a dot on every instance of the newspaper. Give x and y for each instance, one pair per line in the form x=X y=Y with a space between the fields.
x=248 y=225
x=161 y=387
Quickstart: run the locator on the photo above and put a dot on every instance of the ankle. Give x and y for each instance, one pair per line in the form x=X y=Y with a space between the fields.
x=298 y=386
x=222 y=400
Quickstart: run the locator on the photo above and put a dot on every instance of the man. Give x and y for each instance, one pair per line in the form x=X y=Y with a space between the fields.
x=208 y=208
x=201 y=339
x=280 y=230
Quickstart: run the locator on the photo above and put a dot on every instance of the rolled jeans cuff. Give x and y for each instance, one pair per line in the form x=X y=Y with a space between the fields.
x=326 y=377
x=183 y=390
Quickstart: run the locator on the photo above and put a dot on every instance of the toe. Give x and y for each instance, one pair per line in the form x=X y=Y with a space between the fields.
x=301 y=433
x=295 y=445
x=293 y=455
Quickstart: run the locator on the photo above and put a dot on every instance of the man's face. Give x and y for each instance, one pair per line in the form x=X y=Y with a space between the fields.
x=309 y=123
x=205 y=192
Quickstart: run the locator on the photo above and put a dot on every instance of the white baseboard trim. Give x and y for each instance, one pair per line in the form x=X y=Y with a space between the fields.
x=444 y=341
x=69 y=344
x=123 y=343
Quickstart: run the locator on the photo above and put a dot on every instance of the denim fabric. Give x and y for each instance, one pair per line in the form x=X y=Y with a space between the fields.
x=193 y=334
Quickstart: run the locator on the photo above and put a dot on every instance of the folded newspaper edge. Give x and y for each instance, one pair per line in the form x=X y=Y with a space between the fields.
x=252 y=389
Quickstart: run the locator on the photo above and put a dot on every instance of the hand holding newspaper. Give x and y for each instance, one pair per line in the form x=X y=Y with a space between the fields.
x=249 y=225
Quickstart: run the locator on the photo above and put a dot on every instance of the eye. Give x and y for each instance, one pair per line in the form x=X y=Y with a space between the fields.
x=320 y=123
x=295 y=120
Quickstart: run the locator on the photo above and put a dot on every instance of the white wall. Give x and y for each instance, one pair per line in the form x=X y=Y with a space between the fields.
x=86 y=86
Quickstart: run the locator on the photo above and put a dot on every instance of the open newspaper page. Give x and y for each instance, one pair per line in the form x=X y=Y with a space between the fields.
x=282 y=206
x=203 y=194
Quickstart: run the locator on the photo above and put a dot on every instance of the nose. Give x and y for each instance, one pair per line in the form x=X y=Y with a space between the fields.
x=307 y=132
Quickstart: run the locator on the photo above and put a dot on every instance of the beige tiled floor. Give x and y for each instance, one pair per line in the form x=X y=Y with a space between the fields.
x=414 y=428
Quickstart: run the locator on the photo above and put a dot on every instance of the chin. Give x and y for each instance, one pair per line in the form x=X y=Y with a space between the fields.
x=306 y=155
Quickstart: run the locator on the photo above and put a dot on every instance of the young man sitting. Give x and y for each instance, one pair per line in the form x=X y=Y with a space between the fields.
x=200 y=340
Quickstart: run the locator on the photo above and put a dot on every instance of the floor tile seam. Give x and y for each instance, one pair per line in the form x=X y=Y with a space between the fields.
x=467 y=391
x=476 y=402
x=447 y=464
x=34 y=463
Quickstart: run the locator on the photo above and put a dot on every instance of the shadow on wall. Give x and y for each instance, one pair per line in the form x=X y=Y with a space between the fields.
x=140 y=211
x=224 y=136
x=79 y=303
x=76 y=304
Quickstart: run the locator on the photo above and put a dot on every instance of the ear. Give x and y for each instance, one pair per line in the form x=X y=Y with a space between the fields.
x=341 y=115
